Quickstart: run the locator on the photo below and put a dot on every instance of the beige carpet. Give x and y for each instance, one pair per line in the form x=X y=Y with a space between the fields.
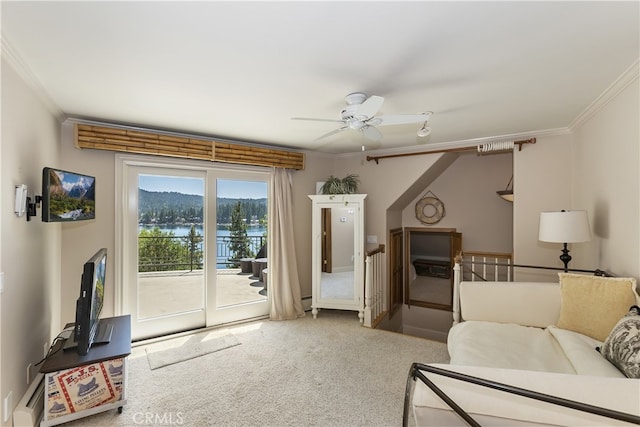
x=181 y=349
x=324 y=372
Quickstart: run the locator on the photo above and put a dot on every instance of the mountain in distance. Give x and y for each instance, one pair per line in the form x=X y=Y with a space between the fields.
x=80 y=189
x=70 y=197
x=166 y=206
x=170 y=200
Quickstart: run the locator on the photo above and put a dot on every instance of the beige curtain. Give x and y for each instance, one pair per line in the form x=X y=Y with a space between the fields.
x=286 y=302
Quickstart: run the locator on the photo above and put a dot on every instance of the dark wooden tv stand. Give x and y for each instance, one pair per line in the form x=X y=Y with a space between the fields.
x=78 y=386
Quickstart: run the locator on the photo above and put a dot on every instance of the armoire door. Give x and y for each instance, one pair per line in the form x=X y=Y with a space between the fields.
x=337 y=253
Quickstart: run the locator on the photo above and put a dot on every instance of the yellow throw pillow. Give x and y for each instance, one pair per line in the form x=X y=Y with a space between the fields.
x=592 y=305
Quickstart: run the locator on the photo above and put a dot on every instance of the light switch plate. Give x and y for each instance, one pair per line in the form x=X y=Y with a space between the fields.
x=372 y=239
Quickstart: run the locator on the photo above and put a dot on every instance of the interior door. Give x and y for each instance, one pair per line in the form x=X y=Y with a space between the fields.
x=396 y=271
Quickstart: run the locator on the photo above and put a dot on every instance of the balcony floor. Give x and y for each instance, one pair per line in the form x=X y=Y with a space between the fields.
x=168 y=292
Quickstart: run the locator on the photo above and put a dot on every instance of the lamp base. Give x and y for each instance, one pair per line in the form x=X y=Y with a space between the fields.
x=565 y=257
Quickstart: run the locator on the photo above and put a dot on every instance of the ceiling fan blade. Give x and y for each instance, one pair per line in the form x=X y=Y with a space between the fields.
x=369 y=107
x=333 y=132
x=401 y=119
x=317 y=120
x=370 y=132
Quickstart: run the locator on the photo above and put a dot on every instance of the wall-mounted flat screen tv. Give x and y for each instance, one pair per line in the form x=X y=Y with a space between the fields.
x=67 y=196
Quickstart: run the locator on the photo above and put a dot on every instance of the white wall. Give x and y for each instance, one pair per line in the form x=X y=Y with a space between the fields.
x=468 y=191
x=593 y=169
x=606 y=182
x=385 y=183
x=318 y=167
x=542 y=182
x=82 y=239
x=30 y=251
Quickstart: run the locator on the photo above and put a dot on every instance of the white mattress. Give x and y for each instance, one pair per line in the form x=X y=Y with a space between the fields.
x=507 y=346
x=511 y=346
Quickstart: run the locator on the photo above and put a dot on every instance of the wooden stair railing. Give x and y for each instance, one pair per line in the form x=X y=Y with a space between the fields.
x=375 y=304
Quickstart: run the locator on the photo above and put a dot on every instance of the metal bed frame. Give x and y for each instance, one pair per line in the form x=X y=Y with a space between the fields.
x=416 y=373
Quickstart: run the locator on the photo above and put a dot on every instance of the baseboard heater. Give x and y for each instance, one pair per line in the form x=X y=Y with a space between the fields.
x=30 y=410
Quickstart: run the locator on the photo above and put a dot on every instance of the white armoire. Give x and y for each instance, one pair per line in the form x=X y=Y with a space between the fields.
x=338 y=252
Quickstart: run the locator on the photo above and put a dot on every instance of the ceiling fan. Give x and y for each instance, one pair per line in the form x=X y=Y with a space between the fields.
x=360 y=115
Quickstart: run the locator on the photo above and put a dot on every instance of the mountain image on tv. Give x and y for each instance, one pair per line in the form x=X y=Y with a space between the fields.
x=72 y=197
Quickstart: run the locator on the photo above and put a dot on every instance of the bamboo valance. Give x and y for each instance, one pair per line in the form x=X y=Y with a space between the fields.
x=148 y=142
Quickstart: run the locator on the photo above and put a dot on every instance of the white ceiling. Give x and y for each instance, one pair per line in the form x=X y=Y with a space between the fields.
x=241 y=70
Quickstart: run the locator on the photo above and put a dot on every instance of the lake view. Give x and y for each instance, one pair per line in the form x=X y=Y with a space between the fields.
x=181 y=230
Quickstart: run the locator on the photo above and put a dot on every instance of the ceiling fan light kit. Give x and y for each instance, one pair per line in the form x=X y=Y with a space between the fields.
x=360 y=115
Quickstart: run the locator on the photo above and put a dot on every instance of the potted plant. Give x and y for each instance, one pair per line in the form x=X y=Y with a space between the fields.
x=335 y=185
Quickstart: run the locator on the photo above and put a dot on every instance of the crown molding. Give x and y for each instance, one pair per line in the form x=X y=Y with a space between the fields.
x=13 y=58
x=629 y=76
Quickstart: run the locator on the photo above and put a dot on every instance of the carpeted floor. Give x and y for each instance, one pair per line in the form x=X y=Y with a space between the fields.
x=324 y=372
x=180 y=350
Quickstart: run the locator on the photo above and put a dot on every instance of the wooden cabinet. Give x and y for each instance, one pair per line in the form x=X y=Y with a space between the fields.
x=338 y=252
x=428 y=266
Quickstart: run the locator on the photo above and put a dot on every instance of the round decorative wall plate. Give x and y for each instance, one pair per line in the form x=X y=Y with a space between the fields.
x=429 y=210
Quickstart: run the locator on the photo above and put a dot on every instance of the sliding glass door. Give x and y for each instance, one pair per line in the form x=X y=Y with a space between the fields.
x=242 y=258
x=166 y=274
x=193 y=246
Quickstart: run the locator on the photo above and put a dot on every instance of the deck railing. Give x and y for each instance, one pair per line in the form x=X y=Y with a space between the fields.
x=178 y=253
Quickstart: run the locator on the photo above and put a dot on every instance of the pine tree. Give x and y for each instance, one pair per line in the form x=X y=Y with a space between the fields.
x=193 y=243
x=239 y=244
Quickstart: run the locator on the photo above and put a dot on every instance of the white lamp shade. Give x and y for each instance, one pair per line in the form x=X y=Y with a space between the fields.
x=564 y=227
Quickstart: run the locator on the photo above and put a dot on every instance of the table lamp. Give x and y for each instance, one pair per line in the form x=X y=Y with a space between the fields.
x=564 y=227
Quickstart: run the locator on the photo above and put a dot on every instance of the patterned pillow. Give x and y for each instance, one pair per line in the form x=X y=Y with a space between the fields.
x=622 y=346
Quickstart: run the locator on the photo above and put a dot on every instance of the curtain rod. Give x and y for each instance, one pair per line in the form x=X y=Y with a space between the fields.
x=483 y=148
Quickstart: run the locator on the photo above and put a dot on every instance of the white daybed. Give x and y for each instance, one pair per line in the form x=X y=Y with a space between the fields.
x=540 y=337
